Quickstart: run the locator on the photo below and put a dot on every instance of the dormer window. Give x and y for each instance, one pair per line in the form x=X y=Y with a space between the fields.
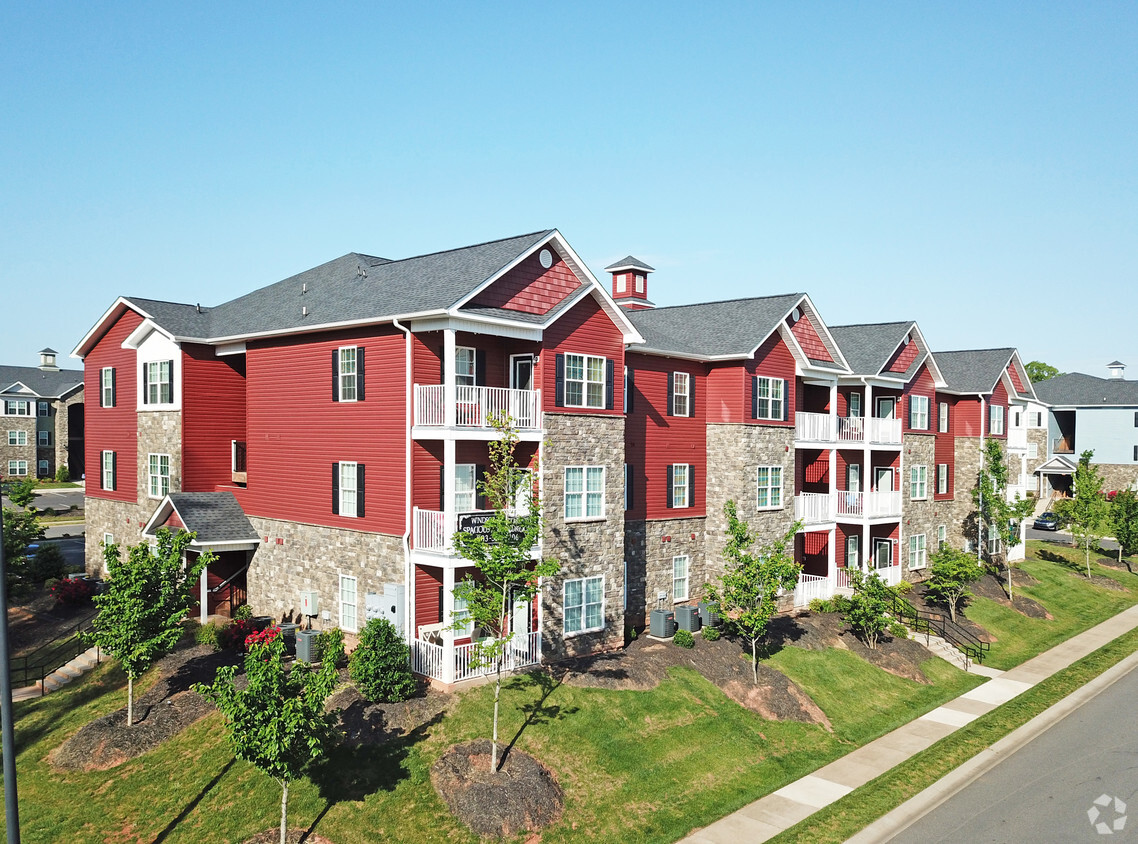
x=639 y=283
x=621 y=282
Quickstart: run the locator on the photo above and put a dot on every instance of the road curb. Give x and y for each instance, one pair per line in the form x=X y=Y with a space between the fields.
x=916 y=807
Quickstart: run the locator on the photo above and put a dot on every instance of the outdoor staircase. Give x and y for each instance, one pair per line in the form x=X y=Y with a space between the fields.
x=74 y=669
x=943 y=648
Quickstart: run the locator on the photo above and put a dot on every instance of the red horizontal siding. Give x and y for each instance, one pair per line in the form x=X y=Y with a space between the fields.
x=903 y=358
x=921 y=385
x=945 y=448
x=966 y=417
x=807 y=337
x=296 y=431
x=112 y=428
x=428 y=596
x=727 y=390
x=654 y=440
x=1013 y=373
x=1000 y=398
x=584 y=329
x=529 y=287
x=213 y=415
x=772 y=360
x=427 y=358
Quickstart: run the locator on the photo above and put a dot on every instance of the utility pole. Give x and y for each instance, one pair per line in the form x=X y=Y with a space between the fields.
x=11 y=805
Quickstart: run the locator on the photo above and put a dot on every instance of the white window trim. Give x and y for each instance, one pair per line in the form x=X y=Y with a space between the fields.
x=16 y=406
x=941 y=536
x=639 y=283
x=15 y=466
x=918 y=551
x=627 y=503
x=686 y=579
x=347 y=380
x=684 y=470
x=567 y=634
x=942 y=417
x=150 y=476
x=919 y=406
x=43 y=408
x=622 y=282
x=853 y=544
x=43 y=439
x=942 y=479
x=584 y=494
x=107 y=472
x=770 y=487
x=919 y=483
x=341 y=603
x=855 y=408
x=42 y=468
x=106 y=386
x=996 y=415
x=348 y=470
x=774 y=395
x=17 y=438
x=585 y=381
x=677 y=394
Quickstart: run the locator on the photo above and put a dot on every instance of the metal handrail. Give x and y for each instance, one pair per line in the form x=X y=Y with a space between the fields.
x=933 y=622
x=32 y=668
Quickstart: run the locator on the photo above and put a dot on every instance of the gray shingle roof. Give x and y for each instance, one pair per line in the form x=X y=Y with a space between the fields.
x=868 y=348
x=973 y=371
x=352 y=288
x=628 y=262
x=214 y=517
x=45 y=384
x=1079 y=390
x=711 y=329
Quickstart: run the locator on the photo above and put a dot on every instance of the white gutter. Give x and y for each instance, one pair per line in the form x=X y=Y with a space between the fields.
x=409 y=583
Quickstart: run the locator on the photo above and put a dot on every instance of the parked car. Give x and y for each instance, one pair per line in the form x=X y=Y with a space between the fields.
x=1047 y=521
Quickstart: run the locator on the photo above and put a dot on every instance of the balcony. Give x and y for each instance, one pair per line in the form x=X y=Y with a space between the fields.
x=813 y=508
x=432 y=533
x=1062 y=445
x=453 y=663
x=868 y=505
x=811 y=586
x=814 y=427
x=477 y=407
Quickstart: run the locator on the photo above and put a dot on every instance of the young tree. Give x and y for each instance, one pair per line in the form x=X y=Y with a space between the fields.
x=995 y=514
x=1089 y=511
x=21 y=529
x=503 y=556
x=139 y=615
x=868 y=614
x=1038 y=371
x=951 y=572
x=277 y=722
x=22 y=493
x=1124 y=522
x=748 y=590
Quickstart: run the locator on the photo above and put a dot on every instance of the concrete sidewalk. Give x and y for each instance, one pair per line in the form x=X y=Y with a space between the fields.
x=770 y=815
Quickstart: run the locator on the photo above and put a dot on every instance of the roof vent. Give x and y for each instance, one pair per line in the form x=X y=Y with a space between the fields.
x=1117 y=369
x=360 y=271
x=304 y=310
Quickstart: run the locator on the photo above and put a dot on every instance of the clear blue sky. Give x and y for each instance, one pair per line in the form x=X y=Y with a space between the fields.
x=972 y=166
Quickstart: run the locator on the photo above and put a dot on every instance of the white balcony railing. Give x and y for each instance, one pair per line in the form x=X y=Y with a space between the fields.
x=869 y=429
x=430 y=660
x=814 y=507
x=814 y=427
x=1017 y=438
x=842 y=579
x=890 y=574
x=868 y=504
x=811 y=586
x=851 y=429
x=477 y=407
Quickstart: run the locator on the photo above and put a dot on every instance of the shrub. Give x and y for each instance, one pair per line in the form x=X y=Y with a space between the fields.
x=71 y=593
x=684 y=639
x=904 y=587
x=841 y=603
x=819 y=605
x=711 y=633
x=379 y=664
x=62 y=475
x=208 y=634
x=233 y=635
x=332 y=642
x=898 y=630
x=22 y=493
x=261 y=637
x=47 y=563
x=243 y=613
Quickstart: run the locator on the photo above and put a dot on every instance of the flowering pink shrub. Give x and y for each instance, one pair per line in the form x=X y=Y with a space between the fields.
x=235 y=634
x=262 y=638
x=71 y=592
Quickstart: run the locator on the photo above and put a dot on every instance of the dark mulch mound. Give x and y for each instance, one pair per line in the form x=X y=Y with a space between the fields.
x=1101 y=581
x=292 y=836
x=367 y=723
x=167 y=708
x=645 y=662
x=819 y=631
x=37 y=620
x=521 y=797
x=994 y=588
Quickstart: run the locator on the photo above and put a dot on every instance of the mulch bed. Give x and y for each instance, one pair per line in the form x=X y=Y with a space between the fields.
x=37 y=620
x=522 y=796
x=367 y=723
x=292 y=836
x=1101 y=581
x=167 y=708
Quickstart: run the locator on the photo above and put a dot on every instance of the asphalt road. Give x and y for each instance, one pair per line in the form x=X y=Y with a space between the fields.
x=1044 y=791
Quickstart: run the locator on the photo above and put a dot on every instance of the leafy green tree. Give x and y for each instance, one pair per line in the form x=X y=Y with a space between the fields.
x=21 y=529
x=951 y=572
x=140 y=613
x=1089 y=510
x=379 y=665
x=747 y=593
x=277 y=722
x=868 y=612
x=62 y=474
x=1038 y=371
x=995 y=515
x=503 y=557
x=1124 y=522
x=22 y=493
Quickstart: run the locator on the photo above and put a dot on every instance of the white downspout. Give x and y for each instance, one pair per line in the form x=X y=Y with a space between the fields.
x=408 y=592
x=980 y=498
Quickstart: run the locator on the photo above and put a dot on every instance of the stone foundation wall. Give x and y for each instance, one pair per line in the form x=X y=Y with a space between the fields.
x=961 y=511
x=583 y=548
x=1117 y=475
x=300 y=558
x=123 y=520
x=649 y=548
x=920 y=516
x=159 y=432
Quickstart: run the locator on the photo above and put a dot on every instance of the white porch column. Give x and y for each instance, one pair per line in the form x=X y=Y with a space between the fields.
x=866 y=552
x=450 y=397
x=831 y=562
x=832 y=486
x=450 y=524
x=448 y=620
x=204 y=593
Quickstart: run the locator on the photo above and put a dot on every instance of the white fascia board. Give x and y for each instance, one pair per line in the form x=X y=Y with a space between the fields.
x=161 y=514
x=122 y=302
x=229 y=349
x=521 y=256
x=145 y=328
x=666 y=353
x=1029 y=392
x=311 y=329
x=600 y=293
x=20 y=388
x=477 y=325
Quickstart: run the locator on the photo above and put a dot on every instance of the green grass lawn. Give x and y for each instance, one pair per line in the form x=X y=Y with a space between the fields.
x=635 y=766
x=1074 y=603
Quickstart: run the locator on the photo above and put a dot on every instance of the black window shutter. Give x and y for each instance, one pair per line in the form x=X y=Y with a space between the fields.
x=630 y=382
x=360 y=375
x=910 y=411
x=169 y=396
x=335 y=375
x=671 y=394
x=360 y=490
x=479 y=480
x=442 y=487
x=480 y=367
x=785 y=400
x=114 y=470
x=691 y=484
x=669 y=485
x=610 y=375
x=754 y=396
x=335 y=489
x=691 y=395
x=145 y=383
x=114 y=387
x=559 y=381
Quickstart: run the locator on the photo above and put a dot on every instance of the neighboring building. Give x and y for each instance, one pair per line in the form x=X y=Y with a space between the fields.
x=41 y=412
x=1084 y=413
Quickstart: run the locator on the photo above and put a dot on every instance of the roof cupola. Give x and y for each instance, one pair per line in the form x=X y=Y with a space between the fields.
x=630 y=283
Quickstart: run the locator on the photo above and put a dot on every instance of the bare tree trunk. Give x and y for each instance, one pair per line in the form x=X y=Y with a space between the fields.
x=755 y=660
x=1087 y=544
x=1008 y=566
x=284 y=809
x=497 y=695
x=129 y=700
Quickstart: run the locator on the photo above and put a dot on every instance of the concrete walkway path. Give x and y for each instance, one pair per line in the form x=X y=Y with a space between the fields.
x=782 y=809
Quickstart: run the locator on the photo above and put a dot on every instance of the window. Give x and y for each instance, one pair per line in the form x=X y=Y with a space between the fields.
x=18 y=467
x=681 y=391
x=583 y=600
x=584 y=492
x=855 y=404
x=769 y=397
x=942 y=417
x=852 y=543
x=882 y=553
x=348 y=489
x=995 y=541
x=680 y=578
x=679 y=485
x=1032 y=451
x=157 y=387
x=17 y=438
x=942 y=479
x=918 y=556
x=941 y=537
x=43 y=438
x=621 y=282
x=919 y=482
x=996 y=419
x=107 y=461
x=465 y=488
x=108 y=539
x=348 y=603
x=463 y=623
x=44 y=408
x=769 y=487
x=853 y=478
x=42 y=468
x=107 y=386
x=17 y=407
x=465 y=367
x=919 y=413
x=159 y=465
x=348 y=380
x=639 y=283
x=1015 y=420
x=584 y=381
